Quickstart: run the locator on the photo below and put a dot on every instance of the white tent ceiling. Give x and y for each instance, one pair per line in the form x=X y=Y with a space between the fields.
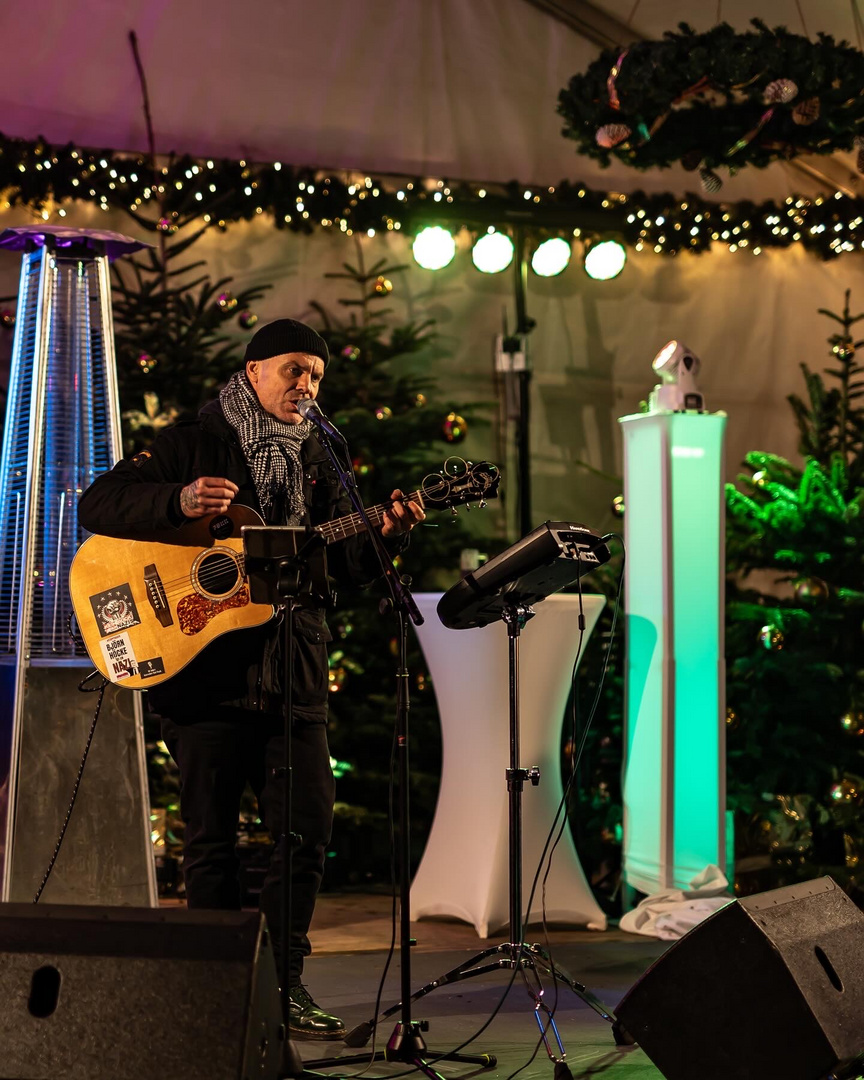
x=456 y=89
x=464 y=89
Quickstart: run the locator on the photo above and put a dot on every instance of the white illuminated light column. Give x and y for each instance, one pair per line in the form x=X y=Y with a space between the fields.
x=674 y=778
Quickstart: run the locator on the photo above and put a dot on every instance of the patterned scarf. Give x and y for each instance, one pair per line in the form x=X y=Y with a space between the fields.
x=271 y=448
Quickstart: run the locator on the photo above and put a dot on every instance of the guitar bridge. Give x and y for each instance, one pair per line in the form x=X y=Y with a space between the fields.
x=156 y=595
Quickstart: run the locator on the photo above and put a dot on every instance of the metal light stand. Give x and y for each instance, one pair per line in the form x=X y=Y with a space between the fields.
x=515 y=955
x=406 y=1043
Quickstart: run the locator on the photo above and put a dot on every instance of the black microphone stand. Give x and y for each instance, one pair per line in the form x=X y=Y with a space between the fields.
x=277 y=578
x=406 y=1043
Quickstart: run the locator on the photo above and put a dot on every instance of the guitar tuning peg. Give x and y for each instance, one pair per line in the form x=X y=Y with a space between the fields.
x=482 y=504
x=467 y=508
x=454 y=512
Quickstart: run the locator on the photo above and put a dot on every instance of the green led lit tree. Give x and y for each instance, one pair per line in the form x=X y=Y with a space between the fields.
x=795 y=641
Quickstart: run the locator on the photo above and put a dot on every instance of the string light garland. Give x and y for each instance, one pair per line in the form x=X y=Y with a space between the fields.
x=718 y=99
x=209 y=192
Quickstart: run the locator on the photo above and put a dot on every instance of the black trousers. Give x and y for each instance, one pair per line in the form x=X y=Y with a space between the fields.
x=217 y=753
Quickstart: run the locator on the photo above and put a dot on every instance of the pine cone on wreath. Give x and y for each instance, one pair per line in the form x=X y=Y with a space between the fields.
x=611 y=134
x=807 y=112
x=710 y=181
x=780 y=92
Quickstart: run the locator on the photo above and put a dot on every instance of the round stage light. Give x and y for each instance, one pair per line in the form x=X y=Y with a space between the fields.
x=493 y=252
x=551 y=257
x=605 y=260
x=433 y=248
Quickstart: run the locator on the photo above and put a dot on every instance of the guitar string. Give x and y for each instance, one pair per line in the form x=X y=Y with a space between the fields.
x=328 y=530
x=338 y=529
x=331 y=531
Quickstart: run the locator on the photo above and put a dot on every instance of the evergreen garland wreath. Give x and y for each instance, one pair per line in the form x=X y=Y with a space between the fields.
x=718 y=99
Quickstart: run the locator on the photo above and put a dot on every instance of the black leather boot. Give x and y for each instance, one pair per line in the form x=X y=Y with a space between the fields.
x=307 y=1021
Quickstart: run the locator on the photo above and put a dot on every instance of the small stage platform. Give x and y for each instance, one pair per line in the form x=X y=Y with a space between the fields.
x=350 y=936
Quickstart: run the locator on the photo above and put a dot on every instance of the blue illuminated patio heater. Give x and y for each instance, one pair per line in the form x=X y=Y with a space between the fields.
x=62 y=429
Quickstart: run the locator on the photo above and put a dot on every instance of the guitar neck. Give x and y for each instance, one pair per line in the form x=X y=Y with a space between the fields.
x=352 y=524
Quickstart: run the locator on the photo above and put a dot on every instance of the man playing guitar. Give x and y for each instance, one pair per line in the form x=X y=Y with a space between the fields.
x=222 y=713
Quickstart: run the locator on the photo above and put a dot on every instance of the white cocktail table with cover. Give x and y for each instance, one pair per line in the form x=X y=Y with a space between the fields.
x=464 y=869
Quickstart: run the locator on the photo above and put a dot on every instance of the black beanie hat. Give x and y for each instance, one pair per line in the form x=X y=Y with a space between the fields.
x=286 y=336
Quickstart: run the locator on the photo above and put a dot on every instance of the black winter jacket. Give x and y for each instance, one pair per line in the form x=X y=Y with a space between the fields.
x=243 y=668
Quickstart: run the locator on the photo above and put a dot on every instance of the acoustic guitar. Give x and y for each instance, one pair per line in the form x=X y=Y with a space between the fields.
x=146 y=607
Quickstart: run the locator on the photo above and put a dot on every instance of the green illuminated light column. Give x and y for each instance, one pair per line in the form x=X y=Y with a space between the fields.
x=675 y=767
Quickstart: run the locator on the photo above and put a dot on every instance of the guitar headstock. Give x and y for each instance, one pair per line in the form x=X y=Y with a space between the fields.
x=461 y=482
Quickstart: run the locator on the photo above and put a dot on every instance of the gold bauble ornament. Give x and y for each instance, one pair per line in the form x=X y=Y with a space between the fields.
x=146 y=363
x=455 y=428
x=811 y=590
x=336 y=678
x=227 y=301
x=362 y=466
x=845 y=790
x=771 y=637
x=383 y=285
x=383 y=412
x=618 y=506
x=853 y=722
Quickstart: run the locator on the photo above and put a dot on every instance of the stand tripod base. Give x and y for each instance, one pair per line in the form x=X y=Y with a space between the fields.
x=407 y=1045
x=510 y=956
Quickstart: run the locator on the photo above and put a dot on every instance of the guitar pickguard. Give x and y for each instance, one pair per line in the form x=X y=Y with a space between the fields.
x=194 y=611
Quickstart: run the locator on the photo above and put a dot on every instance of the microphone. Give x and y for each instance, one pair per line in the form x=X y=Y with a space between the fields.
x=309 y=410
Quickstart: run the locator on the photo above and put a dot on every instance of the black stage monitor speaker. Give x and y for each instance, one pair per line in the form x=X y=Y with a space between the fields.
x=771 y=986
x=95 y=993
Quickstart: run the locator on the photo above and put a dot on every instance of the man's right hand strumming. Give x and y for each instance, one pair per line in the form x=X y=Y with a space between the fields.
x=207 y=495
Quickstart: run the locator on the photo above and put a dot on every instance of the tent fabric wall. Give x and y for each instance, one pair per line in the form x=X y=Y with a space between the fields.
x=463 y=89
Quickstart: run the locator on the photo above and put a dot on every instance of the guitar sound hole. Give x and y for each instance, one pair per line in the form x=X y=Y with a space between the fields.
x=218 y=574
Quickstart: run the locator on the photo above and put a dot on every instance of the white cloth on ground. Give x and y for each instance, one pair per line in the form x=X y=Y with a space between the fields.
x=669 y=915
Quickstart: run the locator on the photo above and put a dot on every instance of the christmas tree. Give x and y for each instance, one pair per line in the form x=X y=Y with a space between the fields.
x=795 y=641
x=378 y=392
x=170 y=320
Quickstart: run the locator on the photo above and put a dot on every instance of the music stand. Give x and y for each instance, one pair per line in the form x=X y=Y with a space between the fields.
x=283 y=562
x=548 y=559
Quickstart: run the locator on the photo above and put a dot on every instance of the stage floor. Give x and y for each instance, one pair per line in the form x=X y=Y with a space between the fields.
x=350 y=936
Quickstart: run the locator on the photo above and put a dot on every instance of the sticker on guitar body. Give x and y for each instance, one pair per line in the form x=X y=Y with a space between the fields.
x=115 y=610
x=119 y=657
x=148 y=668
